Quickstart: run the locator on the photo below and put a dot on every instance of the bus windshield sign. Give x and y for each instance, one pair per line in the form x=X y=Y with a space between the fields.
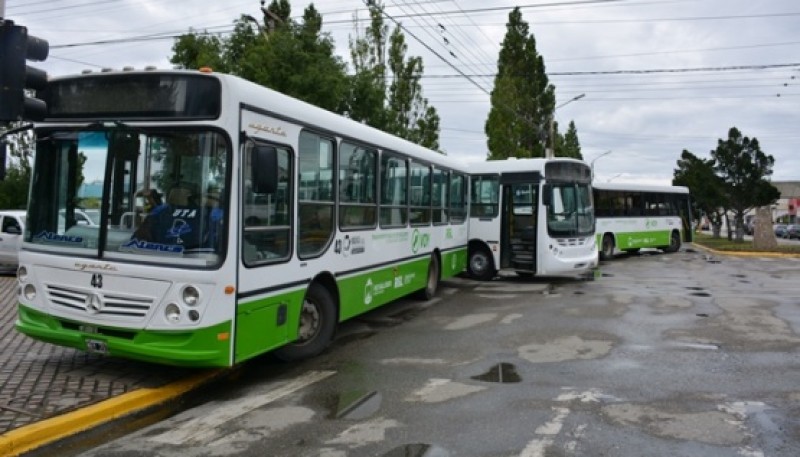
x=133 y=96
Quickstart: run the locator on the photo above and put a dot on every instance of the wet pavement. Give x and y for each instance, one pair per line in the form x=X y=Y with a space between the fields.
x=686 y=354
x=683 y=354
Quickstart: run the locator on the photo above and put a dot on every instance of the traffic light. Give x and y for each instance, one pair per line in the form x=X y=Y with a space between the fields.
x=16 y=46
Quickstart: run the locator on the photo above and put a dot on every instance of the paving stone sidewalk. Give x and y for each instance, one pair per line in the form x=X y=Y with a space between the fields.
x=39 y=380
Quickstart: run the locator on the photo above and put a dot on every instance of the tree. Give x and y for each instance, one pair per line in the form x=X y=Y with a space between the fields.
x=14 y=188
x=743 y=168
x=568 y=145
x=400 y=108
x=296 y=59
x=523 y=100
x=706 y=188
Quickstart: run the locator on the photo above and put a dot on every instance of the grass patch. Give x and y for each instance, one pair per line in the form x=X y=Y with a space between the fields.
x=722 y=244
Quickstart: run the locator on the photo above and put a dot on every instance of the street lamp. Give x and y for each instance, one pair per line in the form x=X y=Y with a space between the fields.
x=591 y=164
x=551 y=151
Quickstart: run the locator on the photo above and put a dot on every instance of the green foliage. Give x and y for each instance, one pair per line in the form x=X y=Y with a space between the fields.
x=14 y=188
x=706 y=188
x=292 y=58
x=400 y=108
x=569 y=145
x=744 y=168
x=297 y=59
x=735 y=178
x=523 y=100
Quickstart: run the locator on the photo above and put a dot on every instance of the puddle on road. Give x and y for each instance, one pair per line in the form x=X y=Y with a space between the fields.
x=355 y=405
x=417 y=450
x=502 y=372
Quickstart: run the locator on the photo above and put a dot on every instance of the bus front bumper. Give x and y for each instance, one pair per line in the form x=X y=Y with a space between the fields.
x=205 y=347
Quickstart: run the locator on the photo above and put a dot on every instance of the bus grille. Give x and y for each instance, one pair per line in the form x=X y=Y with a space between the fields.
x=572 y=242
x=110 y=304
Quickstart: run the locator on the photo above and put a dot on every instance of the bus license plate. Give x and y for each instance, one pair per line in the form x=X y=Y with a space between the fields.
x=96 y=347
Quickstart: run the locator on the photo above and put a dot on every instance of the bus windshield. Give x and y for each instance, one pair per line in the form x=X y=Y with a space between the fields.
x=155 y=195
x=570 y=212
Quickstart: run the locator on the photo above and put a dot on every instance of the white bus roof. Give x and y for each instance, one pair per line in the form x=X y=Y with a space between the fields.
x=513 y=164
x=642 y=188
x=237 y=91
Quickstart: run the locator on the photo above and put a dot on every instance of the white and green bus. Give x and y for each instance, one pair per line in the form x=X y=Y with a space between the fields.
x=531 y=216
x=631 y=217
x=233 y=220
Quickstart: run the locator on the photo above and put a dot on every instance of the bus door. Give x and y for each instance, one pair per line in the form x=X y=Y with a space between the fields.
x=518 y=226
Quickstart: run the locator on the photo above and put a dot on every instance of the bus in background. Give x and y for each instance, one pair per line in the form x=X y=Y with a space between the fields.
x=631 y=217
x=531 y=216
x=234 y=220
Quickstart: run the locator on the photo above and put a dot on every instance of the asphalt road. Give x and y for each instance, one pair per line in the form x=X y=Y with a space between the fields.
x=684 y=354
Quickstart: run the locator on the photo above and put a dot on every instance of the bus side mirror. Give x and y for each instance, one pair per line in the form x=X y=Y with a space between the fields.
x=547 y=195
x=264 y=169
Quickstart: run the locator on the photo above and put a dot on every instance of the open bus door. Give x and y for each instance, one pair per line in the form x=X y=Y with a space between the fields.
x=518 y=226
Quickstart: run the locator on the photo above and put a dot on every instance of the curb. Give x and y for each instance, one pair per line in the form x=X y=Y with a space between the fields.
x=746 y=253
x=49 y=431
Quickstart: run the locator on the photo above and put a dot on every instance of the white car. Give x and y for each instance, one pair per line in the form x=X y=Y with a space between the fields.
x=12 y=226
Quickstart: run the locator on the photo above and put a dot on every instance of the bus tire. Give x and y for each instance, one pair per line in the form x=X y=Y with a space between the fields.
x=481 y=264
x=607 y=248
x=317 y=325
x=674 y=242
x=432 y=283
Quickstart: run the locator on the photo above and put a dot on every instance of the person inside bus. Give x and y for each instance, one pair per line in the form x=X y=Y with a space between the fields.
x=174 y=223
x=213 y=217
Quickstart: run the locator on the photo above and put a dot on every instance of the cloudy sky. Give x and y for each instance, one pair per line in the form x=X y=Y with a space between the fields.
x=658 y=76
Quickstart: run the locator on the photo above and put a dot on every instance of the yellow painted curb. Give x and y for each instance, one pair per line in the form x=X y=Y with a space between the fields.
x=30 y=437
x=747 y=253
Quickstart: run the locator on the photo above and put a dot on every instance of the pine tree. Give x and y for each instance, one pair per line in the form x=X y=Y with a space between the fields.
x=523 y=100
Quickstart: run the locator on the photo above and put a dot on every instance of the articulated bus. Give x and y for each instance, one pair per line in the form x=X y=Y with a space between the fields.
x=631 y=217
x=233 y=220
x=531 y=216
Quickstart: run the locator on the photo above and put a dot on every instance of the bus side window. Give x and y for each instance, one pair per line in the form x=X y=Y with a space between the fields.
x=266 y=228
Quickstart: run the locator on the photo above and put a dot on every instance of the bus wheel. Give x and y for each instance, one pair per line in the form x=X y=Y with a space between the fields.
x=481 y=264
x=432 y=284
x=316 y=328
x=674 y=242
x=607 y=250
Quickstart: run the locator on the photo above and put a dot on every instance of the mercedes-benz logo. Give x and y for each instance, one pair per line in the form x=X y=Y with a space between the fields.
x=94 y=304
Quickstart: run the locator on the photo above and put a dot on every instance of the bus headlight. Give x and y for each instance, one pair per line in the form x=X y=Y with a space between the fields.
x=22 y=274
x=29 y=291
x=173 y=313
x=191 y=296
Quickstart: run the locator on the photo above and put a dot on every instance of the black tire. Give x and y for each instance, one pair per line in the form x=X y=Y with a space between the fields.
x=674 y=242
x=317 y=326
x=607 y=248
x=480 y=264
x=432 y=283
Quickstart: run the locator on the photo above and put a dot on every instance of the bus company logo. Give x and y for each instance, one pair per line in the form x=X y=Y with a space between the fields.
x=267 y=129
x=368 y=292
x=56 y=238
x=94 y=303
x=419 y=241
x=95 y=266
x=651 y=223
x=135 y=245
